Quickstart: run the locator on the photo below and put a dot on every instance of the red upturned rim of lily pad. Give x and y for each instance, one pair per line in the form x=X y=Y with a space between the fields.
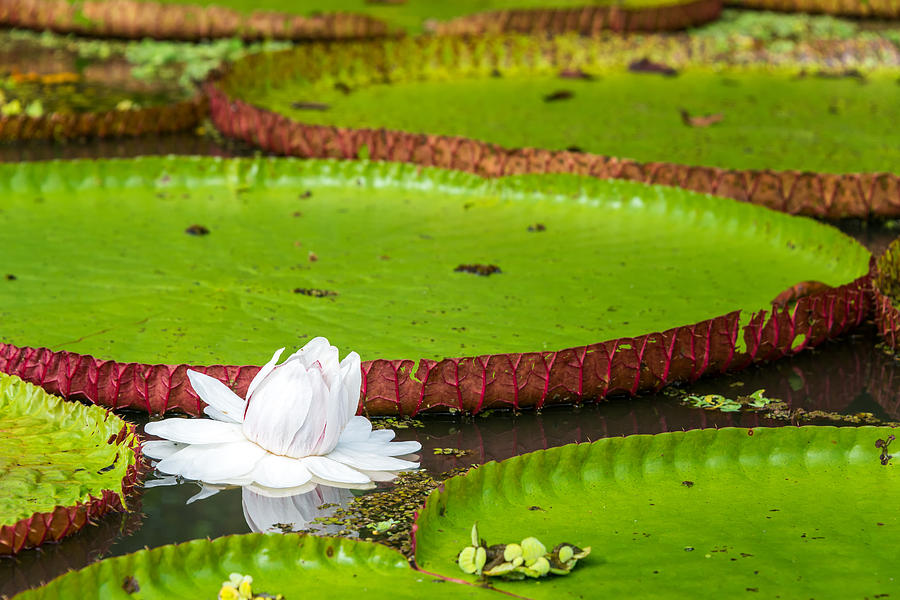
x=167 y=118
x=821 y=195
x=136 y=19
x=477 y=383
x=885 y=286
x=63 y=521
x=883 y=9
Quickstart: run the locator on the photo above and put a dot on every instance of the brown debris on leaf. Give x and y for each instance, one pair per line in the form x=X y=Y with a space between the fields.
x=537 y=227
x=559 y=95
x=478 y=269
x=575 y=74
x=309 y=106
x=197 y=230
x=700 y=120
x=314 y=292
x=645 y=65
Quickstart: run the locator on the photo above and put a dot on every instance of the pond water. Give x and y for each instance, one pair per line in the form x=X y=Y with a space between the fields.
x=843 y=377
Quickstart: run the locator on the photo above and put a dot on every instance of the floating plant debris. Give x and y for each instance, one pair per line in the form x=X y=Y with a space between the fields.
x=575 y=74
x=387 y=516
x=537 y=227
x=130 y=585
x=197 y=230
x=885 y=458
x=529 y=558
x=559 y=95
x=645 y=65
x=309 y=106
x=455 y=452
x=478 y=269
x=315 y=293
x=699 y=121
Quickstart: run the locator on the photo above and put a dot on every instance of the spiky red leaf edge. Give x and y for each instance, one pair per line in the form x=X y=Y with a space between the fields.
x=476 y=383
x=63 y=521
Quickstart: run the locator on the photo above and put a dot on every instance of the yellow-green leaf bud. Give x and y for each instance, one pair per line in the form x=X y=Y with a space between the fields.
x=512 y=552
x=532 y=549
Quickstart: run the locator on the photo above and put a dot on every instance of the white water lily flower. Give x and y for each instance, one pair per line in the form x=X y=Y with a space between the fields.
x=296 y=428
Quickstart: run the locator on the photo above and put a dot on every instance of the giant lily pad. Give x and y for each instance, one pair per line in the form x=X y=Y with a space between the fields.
x=207 y=261
x=317 y=19
x=63 y=465
x=886 y=285
x=806 y=142
x=292 y=565
x=677 y=515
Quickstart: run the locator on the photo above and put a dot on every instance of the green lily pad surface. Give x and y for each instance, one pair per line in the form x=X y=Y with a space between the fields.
x=208 y=261
x=737 y=118
x=292 y=565
x=796 y=512
x=57 y=454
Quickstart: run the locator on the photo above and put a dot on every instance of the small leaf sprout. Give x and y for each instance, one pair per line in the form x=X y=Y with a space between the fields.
x=529 y=558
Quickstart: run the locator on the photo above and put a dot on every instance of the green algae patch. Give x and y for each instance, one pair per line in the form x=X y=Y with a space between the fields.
x=762 y=118
x=291 y=565
x=62 y=464
x=667 y=516
x=207 y=261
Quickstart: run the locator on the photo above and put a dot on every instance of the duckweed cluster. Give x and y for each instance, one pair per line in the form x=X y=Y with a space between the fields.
x=387 y=516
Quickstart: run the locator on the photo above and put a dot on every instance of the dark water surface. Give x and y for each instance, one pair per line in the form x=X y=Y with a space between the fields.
x=848 y=376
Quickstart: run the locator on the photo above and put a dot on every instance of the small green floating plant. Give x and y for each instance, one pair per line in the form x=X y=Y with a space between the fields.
x=528 y=558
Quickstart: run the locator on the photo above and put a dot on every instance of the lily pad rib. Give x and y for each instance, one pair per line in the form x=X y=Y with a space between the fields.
x=473 y=384
x=588 y=20
x=137 y=19
x=168 y=118
x=822 y=195
x=886 y=290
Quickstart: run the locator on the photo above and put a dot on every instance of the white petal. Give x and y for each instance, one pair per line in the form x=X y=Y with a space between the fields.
x=351 y=378
x=386 y=449
x=275 y=471
x=160 y=449
x=370 y=462
x=279 y=408
x=381 y=475
x=166 y=480
x=218 y=395
x=358 y=429
x=195 y=431
x=317 y=349
x=281 y=492
x=264 y=372
x=312 y=436
x=213 y=463
x=381 y=435
x=206 y=491
x=332 y=471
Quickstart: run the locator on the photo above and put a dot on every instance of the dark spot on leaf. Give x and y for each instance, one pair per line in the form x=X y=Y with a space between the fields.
x=10 y=277
x=441 y=511
x=313 y=257
x=576 y=149
x=559 y=95
x=342 y=87
x=197 y=230
x=309 y=106
x=845 y=74
x=130 y=585
x=688 y=548
x=750 y=432
x=329 y=551
x=496 y=73
x=575 y=74
x=477 y=269
x=315 y=293
x=752 y=589
x=297 y=213
x=110 y=467
x=645 y=65
x=535 y=508
x=687 y=483
x=537 y=227
x=306 y=194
